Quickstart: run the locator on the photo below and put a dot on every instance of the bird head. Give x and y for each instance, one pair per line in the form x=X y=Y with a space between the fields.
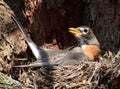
x=84 y=34
x=87 y=40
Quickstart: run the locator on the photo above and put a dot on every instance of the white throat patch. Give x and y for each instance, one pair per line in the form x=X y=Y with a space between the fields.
x=83 y=46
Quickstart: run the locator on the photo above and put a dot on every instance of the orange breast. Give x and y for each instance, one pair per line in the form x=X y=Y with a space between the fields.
x=92 y=51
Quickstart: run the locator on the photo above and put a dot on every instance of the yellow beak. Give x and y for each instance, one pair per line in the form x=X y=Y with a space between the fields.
x=74 y=31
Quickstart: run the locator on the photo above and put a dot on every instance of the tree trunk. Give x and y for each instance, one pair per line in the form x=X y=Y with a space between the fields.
x=49 y=20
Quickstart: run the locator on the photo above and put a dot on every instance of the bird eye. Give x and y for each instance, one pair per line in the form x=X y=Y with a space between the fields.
x=85 y=30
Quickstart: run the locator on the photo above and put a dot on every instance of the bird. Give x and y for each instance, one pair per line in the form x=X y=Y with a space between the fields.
x=87 y=48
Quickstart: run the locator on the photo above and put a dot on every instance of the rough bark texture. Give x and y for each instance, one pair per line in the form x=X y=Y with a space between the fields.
x=11 y=44
x=11 y=40
x=51 y=18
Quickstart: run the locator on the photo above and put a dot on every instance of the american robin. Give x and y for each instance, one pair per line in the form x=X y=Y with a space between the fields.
x=87 y=48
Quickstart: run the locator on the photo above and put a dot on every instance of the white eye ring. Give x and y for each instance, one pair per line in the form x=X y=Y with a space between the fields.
x=85 y=31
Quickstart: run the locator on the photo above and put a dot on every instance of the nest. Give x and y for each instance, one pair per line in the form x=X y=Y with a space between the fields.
x=86 y=75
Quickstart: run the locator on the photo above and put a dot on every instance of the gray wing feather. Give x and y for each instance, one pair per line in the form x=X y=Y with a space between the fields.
x=72 y=57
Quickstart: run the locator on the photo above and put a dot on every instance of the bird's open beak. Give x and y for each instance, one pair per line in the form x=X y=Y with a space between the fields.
x=74 y=31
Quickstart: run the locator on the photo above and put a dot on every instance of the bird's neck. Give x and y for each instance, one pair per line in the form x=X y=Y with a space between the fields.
x=92 y=51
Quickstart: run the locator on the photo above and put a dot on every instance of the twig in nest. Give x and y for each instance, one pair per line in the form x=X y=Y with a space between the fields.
x=79 y=72
x=94 y=73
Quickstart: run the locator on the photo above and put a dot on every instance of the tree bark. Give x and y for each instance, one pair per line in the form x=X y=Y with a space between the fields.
x=51 y=20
